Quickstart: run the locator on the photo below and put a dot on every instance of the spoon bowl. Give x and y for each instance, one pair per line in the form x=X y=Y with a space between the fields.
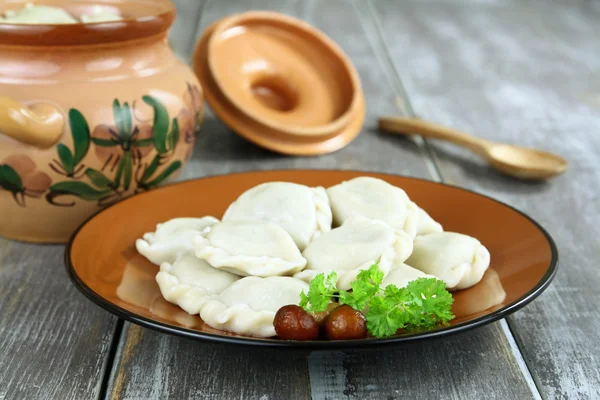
x=516 y=161
x=525 y=163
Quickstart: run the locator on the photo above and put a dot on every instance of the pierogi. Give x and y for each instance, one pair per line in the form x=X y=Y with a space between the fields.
x=457 y=259
x=401 y=275
x=302 y=211
x=374 y=199
x=190 y=281
x=276 y=237
x=172 y=238
x=249 y=248
x=426 y=224
x=249 y=305
x=355 y=246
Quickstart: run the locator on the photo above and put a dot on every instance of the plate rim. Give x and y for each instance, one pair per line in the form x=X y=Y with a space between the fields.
x=163 y=327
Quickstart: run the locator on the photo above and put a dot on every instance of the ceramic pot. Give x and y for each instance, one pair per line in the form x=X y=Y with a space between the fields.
x=89 y=114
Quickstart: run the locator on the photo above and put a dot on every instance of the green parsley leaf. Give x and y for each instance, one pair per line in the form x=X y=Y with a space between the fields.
x=364 y=288
x=374 y=274
x=320 y=292
x=383 y=319
x=423 y=304
x=433 y=299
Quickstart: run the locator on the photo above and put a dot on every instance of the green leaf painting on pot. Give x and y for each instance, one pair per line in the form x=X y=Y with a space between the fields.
x=69 y=160
x=103 y=116
x=135 y=154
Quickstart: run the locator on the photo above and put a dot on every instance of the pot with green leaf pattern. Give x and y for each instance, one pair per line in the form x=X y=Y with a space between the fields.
x=96 y=120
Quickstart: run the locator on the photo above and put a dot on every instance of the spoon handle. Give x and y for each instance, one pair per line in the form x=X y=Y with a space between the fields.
x=408 y=126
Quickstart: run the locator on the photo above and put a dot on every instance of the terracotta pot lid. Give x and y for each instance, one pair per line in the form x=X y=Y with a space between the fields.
x=280 y=83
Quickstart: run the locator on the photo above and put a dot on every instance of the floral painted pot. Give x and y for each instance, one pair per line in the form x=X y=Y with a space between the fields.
x=89 y=115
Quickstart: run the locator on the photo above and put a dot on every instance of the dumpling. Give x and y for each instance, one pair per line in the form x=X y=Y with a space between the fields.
x=457 y=259
x=259 y=248
x=302 y=211
x=401 y=275
x=355 y=246
x=249 y=305
x=376 y=199
x=426 y=224
x=190 y=281
x=172 y=238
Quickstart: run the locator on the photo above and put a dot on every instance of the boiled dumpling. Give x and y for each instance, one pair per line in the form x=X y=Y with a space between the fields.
x=426 y=224
x=376 y=199
x=172 y=238
x=457 y=259
x=401 y=275
x=249 y=305
x=190 y=281
x=100 y=14
x=259 y=248
x=355 y=246
x=302 y=211
x=38 y=14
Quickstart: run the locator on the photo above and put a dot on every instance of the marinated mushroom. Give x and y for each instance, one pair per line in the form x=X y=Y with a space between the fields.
x=345 y=323
x=293 y=323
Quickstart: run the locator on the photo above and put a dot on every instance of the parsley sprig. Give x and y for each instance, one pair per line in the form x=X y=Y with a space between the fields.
x=423 y=304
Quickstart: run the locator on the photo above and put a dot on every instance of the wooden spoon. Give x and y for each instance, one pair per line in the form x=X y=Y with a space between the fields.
x=516 y=161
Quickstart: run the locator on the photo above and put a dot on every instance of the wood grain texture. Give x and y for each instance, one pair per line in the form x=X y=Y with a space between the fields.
x=152 y=365
x=53 y=342
x=157 y=366
x=471 y=365
x=526 y=73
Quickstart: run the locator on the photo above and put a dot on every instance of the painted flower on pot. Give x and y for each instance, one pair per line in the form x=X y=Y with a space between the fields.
x=165 y=137
x=113 y=154
x=123 y=148
x=19 y=175
x=122 y=145
x=190 y=117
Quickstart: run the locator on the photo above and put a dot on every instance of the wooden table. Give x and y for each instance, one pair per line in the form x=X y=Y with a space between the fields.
x=517 y=71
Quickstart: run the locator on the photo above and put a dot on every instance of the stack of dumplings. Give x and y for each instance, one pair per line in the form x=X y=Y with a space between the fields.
x=276 y=237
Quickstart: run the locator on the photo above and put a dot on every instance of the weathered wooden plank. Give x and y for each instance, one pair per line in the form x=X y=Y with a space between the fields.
x=470 y=365
x=526 y=73
x=157 y=366
x=53 y=343
x=457 y=366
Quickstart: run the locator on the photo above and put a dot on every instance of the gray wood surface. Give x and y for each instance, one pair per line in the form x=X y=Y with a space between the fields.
x=53 y=342
x=153 y=365
x=527 y=73
x=459 y=367
x=178 y=367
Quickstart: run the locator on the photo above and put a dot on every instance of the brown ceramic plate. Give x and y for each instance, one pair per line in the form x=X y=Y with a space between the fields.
x=103 y=263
